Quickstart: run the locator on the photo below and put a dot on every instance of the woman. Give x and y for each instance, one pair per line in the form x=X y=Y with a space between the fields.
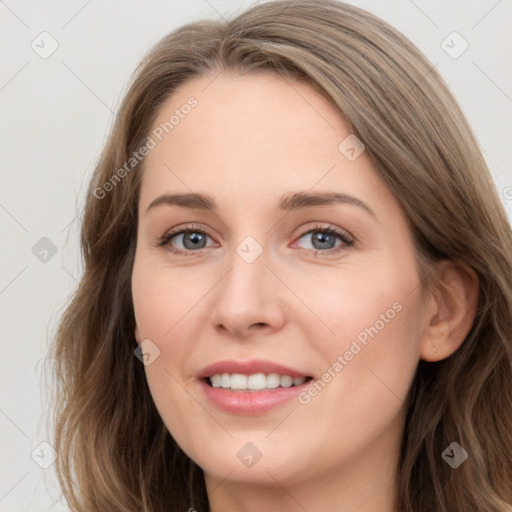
x=297 y=287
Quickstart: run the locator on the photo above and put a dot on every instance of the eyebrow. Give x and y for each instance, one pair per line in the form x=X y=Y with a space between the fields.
x=287 y=202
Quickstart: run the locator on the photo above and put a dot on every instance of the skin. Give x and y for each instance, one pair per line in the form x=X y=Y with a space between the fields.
x=251 y=139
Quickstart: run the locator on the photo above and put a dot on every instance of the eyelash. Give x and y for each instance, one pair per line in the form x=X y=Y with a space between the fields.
x=347 y=240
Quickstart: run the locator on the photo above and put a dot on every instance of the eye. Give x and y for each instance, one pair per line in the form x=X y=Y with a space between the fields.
x=323 y=239
x=189 y=239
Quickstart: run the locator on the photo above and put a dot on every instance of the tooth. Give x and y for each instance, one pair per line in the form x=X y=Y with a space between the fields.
x=254 y=382
x=225 y=380
x=238 y=381
x=257 y=381
x=286 y=381
x=273 y=380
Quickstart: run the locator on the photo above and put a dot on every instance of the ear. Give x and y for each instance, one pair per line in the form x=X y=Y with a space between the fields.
x=451 y=312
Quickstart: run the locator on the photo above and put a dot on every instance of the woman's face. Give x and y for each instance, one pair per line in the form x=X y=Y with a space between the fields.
x=278 y=277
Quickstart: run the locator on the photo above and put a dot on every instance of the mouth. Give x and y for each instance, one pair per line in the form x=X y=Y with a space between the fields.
x=255 y=382
x=251 y=387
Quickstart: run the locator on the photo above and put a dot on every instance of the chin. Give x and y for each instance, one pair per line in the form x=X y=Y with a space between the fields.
x=256 y=462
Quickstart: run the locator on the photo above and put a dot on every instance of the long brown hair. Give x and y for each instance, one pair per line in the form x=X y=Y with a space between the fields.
x=115 y=453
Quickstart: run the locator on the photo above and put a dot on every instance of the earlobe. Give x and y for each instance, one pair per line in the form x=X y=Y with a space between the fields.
x=137 y=334
x=435 y=345
x=454 y=308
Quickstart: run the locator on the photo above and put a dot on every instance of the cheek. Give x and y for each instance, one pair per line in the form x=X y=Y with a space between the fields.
x=161 y=305
x=164 y=299
x=373 y=343
x=361 y=303
x=368 y=369
x=167 y=312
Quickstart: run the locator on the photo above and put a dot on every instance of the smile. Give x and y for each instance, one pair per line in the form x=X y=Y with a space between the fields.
x=254 y=382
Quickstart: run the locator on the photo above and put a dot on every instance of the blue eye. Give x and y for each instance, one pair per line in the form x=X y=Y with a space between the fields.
x=323 y=239
x=193 y=239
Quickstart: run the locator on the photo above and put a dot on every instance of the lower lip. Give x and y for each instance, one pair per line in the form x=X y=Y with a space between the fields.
x=250 y=402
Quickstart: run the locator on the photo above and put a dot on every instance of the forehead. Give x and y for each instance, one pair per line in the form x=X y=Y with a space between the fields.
x=249 y=134
x=252 y=113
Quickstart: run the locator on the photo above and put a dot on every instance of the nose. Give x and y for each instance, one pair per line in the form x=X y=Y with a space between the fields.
x=250 y=298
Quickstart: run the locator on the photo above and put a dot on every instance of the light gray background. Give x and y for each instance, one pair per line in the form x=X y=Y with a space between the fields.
x=55 y=115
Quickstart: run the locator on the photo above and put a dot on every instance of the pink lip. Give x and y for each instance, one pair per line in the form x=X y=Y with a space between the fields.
x=249 y=402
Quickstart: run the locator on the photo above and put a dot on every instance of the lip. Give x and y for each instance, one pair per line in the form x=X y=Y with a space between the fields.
x=249 y=402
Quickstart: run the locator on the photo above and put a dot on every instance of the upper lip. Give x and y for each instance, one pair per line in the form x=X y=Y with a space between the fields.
x=248 y=368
